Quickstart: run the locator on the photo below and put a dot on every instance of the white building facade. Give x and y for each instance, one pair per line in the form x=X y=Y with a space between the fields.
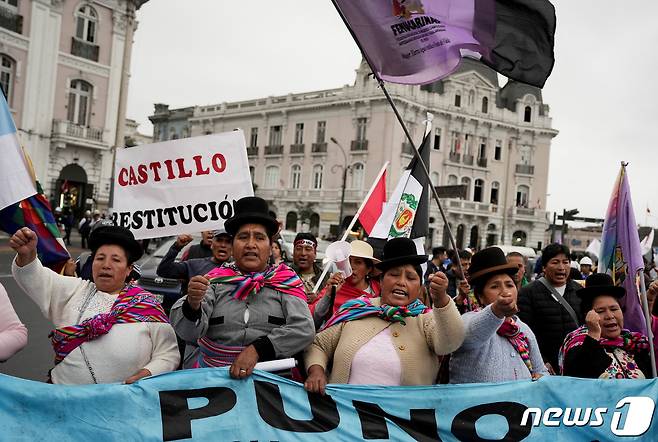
x=64 y=73
x=495 y=141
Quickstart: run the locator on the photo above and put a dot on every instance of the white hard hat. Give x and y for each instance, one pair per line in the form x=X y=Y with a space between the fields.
x=586 y=261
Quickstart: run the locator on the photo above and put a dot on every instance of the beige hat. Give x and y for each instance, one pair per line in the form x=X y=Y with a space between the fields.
x=361 y=249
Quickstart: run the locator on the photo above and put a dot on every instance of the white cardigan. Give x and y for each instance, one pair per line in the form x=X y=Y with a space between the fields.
x=114 y=357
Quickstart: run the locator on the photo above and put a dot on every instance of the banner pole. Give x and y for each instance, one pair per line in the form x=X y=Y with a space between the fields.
x=647 y=320
x=325 y=270
x=407 y=134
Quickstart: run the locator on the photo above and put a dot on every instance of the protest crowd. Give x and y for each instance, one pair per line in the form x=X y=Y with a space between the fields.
x=471 y=316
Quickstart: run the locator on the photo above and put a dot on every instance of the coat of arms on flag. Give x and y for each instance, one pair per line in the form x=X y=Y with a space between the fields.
x=406 y=214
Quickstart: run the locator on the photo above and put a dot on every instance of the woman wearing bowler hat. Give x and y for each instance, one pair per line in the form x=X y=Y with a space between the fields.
x=391 y=340
x=247 y=311
x=498 y=346
x=603 y=348
x=106 y=330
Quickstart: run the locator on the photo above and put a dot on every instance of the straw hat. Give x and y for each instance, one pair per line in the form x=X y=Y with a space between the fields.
x=361 y=249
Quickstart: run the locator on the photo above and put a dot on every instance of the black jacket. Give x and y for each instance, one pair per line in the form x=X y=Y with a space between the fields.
x=198 y=251
x=548 y=320
x=590 y=360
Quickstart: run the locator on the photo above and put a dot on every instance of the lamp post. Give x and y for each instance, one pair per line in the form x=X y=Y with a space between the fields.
x=342 y=193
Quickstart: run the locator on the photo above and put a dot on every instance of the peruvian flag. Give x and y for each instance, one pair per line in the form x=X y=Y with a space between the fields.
x=374 y=203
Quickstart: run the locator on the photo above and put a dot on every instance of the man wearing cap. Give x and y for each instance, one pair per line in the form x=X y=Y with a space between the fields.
x=221 y=253
x=305 y=248
x=247 y=311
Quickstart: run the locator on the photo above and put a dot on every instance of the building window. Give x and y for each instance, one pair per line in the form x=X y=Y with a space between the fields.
x=317 y=177
x=458 y=100
x=482 y=150
x=435 y=179
x=522 y=196
x=361 y=129
x=527 y=114
x=86 y=20
x=320 y=133
x=295 y=176
x=79 y=102
x=437 y=138
x=485 y=105
x=525 y=154
x=466 y=181
x=7 y=69
x=452 y=180
x=252 y=173
x=471 y=98
x=12 y=3
x=495 y=186
x=275 y=135
x=358 y=171
x=478 y=190
x=271 y=177
x=468 y=144
x=299 y=133
x=456 y=143
x=498 y=150
x=253 y=137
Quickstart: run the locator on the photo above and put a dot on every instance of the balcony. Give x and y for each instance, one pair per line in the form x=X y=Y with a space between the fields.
x=482 y=162
x=296 y=149
x=468 y=160
x=359 y=145
x=252 y=151
x=525 y=169
x=84 y=49
x=471 y=207
x=524 y=212
x=319 y=148
x=274 y=150
x=66 y=132
x=407 y=149
x=11 y=20
x=454 y=157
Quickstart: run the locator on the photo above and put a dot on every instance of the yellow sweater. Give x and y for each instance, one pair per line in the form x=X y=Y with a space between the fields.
x=417 y=343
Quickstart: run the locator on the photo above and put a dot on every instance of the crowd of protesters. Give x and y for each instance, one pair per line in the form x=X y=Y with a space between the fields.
x=397 y=319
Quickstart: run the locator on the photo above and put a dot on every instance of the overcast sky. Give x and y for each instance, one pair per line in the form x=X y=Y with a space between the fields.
x=603 y=92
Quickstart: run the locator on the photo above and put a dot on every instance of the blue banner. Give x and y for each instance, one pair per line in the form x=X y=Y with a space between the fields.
x=206 y=404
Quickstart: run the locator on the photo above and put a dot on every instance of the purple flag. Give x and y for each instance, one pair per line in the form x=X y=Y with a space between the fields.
x=421 y=41
x=414 y=41
x=621 y=254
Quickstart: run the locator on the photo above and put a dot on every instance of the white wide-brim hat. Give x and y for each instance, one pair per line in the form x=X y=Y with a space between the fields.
x=361 y=249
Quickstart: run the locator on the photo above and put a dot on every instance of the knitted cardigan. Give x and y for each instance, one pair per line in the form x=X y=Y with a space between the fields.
x=417 y=343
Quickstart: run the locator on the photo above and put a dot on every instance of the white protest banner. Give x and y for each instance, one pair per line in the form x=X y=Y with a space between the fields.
x=180 y=186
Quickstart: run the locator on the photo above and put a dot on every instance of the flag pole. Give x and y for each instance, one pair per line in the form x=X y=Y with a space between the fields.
x=407 y=134
x=647 y=320
x=325 y=270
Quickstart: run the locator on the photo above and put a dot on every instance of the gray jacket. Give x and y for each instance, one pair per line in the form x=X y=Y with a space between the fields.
x=277 y=324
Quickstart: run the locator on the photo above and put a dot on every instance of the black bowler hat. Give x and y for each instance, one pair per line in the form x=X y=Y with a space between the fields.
x=488 y=262
x=116 y=235
x=251 y=209
x=400 y=251
x=598 y=284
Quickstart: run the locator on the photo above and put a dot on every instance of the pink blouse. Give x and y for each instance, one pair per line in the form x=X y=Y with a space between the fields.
x=13 y=334
x=377 y=362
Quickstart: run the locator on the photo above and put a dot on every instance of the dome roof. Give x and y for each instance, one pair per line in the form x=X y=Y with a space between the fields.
x=515 y=90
